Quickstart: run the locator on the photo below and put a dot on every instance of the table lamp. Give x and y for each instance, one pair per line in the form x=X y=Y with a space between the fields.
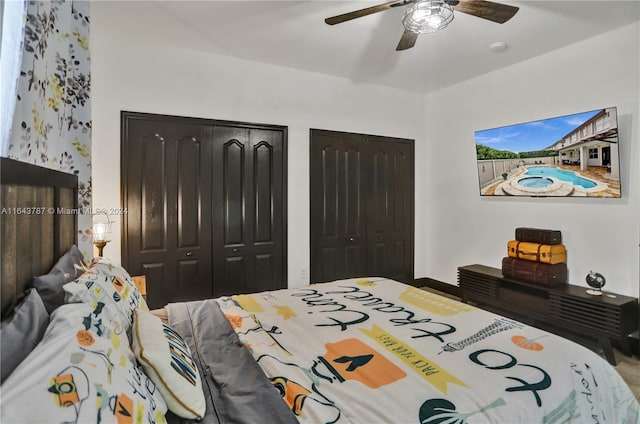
x=101 y=231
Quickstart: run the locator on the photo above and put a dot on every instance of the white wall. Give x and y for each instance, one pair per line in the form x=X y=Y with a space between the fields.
x=131 y=72
x=600 y=234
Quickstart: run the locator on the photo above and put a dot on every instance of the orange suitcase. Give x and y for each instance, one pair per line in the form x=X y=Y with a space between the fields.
x=545 y=253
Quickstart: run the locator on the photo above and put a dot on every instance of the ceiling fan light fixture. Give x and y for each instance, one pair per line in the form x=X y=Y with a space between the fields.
x=427 y=16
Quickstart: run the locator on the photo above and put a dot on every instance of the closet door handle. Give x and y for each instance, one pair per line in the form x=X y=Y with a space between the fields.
x=352 y=239
x=234 y=250
x=189 y=254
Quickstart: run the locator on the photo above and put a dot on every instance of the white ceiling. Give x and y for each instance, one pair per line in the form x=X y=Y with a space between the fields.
x=293 y=34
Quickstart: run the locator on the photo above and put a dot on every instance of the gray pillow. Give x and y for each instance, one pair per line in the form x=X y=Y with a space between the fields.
x=49 y=286
x=21 y=332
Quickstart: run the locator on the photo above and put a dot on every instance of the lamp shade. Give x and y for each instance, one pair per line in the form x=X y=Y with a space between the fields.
x=427 y=16
x=101 y=228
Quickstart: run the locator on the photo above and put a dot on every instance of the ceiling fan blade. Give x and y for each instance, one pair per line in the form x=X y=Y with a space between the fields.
x=367 y=11
x=496 y=12
x=407 y=40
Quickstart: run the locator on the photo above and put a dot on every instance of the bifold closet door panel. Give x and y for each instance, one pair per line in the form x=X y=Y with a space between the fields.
x=248 y=215
x=390 y=195
x=337 y=203
x=167 y=228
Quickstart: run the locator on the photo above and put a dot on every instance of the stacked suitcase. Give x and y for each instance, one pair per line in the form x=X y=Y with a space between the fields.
x=536 y=256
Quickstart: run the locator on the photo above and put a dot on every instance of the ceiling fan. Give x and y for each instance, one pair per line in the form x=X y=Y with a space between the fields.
x=424 y=16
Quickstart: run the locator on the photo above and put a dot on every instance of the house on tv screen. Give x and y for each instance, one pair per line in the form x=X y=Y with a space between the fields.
x=593 y=143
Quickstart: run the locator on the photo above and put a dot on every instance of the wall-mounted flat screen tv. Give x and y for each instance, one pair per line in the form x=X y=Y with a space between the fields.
x=572 y=155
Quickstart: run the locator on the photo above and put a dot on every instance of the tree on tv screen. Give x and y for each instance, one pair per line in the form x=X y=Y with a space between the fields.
x=485 y=152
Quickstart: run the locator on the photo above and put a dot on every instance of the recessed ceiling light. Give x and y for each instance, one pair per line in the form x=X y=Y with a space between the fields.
x=498 y=46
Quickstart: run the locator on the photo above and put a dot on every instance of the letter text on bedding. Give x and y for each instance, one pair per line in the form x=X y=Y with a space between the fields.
x=425 y=367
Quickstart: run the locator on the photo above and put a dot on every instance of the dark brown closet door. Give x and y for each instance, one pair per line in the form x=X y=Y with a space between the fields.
x=248 y=210
x=390 y=220
x=338 y=210
x=167 y=229
x=361 y=200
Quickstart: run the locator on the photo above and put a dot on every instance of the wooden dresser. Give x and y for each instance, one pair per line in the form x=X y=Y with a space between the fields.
x=566 y=307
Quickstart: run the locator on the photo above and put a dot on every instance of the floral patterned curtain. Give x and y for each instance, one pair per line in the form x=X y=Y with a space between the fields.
x=52 y=121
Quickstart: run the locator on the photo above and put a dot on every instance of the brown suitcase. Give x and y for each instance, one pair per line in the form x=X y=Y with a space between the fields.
x=549 y=254
x=537 y=235
x=534 y=272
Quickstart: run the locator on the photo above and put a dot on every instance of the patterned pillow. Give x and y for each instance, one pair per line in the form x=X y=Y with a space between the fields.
x=109 y=283
x=167 y=360
x=83 y=371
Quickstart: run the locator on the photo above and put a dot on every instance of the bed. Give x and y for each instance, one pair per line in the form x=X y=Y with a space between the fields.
x=367 y=350
x=375 y=350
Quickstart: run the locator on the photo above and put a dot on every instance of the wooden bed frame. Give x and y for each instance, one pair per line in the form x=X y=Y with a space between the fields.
x=38 y=223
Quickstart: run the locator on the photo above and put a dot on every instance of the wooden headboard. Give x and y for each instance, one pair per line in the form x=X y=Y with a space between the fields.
x=38 y=223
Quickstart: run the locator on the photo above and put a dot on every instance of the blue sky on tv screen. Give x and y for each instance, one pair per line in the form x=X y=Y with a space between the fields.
x=532 y=136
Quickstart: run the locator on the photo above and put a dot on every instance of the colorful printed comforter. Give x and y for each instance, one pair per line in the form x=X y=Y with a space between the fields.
x=377 y=351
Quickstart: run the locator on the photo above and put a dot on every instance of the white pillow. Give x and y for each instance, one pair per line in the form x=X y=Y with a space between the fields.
x=82 y=371
x=167 y=361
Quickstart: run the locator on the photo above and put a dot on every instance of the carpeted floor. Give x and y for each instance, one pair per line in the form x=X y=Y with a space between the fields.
x=628 y=367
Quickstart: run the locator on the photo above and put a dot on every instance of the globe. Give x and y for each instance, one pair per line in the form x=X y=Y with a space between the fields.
x=597 y=281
